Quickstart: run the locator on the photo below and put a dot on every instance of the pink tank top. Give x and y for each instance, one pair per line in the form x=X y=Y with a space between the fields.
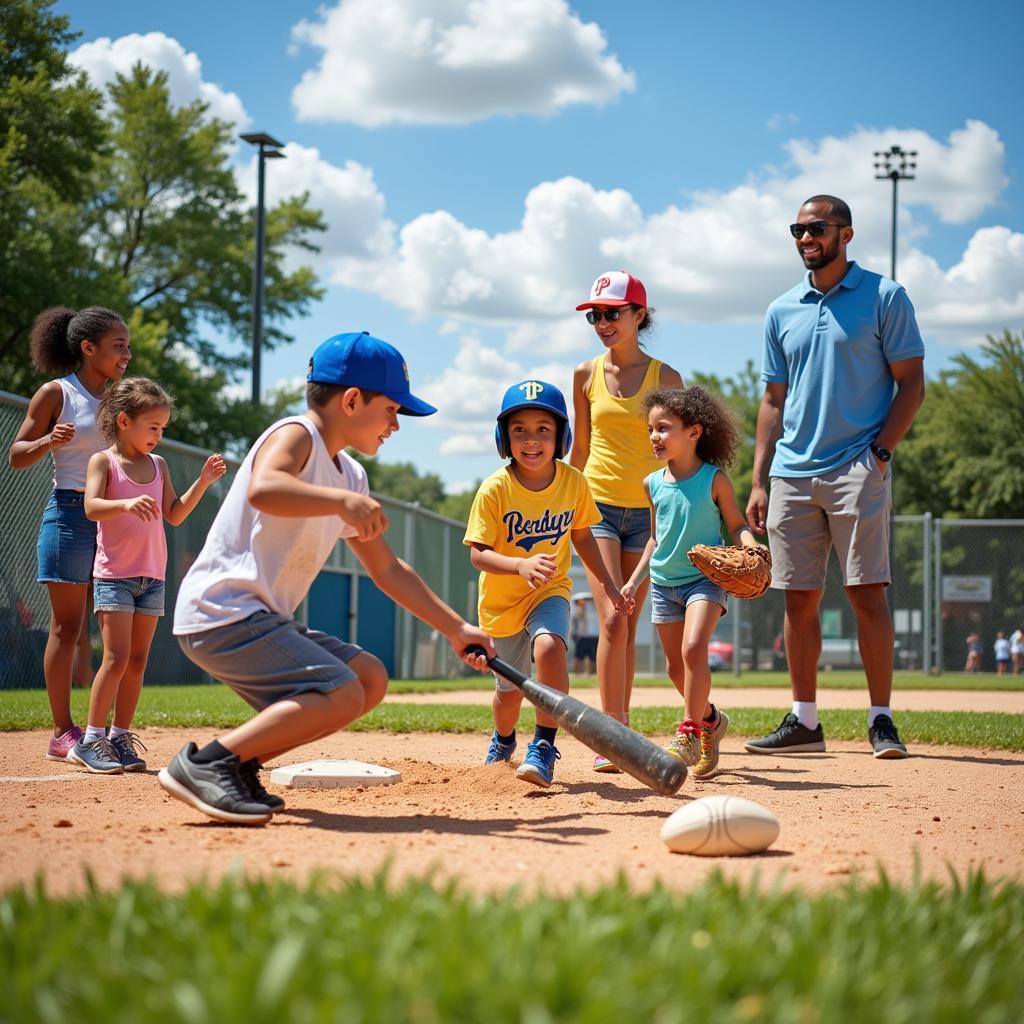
x=126 y=546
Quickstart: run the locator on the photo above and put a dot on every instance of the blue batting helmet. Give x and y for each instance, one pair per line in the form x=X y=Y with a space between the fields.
x=534 y=394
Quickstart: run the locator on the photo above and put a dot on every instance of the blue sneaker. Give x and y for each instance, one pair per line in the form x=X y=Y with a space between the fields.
x=499 y=751
x=538 y=766
x=127 y=745
x=100 y=756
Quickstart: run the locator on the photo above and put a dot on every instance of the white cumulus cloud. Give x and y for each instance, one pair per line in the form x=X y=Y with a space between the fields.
x=720 y=256
x=104 y=58
x=452 y=61
x=468 y=393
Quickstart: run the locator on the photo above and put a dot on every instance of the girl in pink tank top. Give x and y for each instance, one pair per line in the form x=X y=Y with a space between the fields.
x=128 y=491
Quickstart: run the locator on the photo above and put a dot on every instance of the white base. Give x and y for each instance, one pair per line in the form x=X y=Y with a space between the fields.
x=333 y=775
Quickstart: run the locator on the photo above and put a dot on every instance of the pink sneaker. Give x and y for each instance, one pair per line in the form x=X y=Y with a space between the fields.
x=62 y=744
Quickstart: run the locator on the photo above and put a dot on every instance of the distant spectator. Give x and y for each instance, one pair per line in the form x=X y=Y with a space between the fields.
x=1017 y=650
x=973 y=663
x=1002 y=652
x=584 y=629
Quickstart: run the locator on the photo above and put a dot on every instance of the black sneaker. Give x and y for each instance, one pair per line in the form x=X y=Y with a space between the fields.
x=789 y=738
x=882 y=735
x=250 y=771
x=216 y=789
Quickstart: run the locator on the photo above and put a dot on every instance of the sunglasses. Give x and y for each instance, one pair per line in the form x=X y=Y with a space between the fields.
x=594 y=315
x=815 y=229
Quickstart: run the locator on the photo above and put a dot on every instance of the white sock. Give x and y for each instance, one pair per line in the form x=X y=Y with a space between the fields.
x=116 y=730
x=93 y=733
x=807 y=712
x=874 y=711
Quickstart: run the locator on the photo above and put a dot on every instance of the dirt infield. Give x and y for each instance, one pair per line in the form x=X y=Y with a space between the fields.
x=842 y=814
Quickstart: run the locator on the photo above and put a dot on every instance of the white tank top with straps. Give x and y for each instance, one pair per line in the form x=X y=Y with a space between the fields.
x=71 y=460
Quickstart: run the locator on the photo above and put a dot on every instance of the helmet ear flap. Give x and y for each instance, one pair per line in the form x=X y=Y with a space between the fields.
x=564 y=440
x=501 y=440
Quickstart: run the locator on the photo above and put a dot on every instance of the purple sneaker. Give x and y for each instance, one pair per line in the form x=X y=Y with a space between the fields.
x=60 y=746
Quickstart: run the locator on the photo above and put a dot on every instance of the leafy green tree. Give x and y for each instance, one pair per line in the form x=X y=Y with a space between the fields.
x=51 y=136
x=964 y=455
x=743 y=393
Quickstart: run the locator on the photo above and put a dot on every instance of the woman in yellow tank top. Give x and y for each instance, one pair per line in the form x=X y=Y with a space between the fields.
x=611 y=447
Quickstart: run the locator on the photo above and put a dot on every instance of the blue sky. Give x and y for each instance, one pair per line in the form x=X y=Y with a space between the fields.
x=480 y=163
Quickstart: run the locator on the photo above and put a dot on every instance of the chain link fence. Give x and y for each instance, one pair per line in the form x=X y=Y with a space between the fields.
x=432 y=543
x=952 y=579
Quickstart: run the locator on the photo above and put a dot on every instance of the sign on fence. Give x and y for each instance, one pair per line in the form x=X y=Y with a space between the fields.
x=966 y=588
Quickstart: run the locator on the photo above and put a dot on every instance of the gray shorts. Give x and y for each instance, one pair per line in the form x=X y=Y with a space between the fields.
x=849 y=508
x=269 y=657
x=550 y=616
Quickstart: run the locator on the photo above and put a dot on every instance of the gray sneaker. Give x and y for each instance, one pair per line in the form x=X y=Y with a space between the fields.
x=99 y=756
x=790 y=737
x=250 y=772
x=217 y=789
x=127 y=745
x=885 y=739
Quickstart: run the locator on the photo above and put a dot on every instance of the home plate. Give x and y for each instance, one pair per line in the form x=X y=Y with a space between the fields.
x=333 y=775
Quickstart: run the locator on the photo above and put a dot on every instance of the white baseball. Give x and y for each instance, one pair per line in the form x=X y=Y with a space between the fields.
x=720 y=826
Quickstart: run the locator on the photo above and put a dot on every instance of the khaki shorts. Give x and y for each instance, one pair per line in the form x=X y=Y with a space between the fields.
x=849 y=508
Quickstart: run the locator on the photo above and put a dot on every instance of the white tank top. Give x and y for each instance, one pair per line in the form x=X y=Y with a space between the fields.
x=71 y=460
x=253 y=561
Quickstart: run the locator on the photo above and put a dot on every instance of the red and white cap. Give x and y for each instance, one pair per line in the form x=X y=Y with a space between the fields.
x=616 y=288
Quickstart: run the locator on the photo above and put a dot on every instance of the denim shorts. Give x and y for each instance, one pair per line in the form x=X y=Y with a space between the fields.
x=631 y=527
x=140 y=595
x=669 y=604
x=67 y=540
x=270 y=657
x=550 y=616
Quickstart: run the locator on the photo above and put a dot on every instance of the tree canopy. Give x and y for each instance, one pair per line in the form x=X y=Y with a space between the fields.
x=134 y=204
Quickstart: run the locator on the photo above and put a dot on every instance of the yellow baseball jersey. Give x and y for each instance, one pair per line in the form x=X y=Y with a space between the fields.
x=620 y=450
x=518 y=522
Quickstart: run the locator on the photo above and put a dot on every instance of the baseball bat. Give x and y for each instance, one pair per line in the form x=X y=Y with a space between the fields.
x=625 y=748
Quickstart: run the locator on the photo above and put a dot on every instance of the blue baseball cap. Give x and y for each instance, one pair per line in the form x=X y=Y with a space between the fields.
x=362 y=361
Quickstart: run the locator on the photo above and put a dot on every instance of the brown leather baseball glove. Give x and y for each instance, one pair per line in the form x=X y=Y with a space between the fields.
x=742 y=572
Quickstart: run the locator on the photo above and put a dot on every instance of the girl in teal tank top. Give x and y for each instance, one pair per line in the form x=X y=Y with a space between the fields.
x=695 y=435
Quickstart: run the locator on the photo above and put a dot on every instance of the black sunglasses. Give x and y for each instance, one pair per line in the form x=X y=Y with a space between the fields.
x=815 y=229
x=594 y=315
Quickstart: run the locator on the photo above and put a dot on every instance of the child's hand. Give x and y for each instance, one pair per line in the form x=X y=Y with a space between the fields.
x=144 y=507
x=61 y=434
x=628 y=593
x=213 y=469
x=623 y=605
x=537 y=569
x=364 y=514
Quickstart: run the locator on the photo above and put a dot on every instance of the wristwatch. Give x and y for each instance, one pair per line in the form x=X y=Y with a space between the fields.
x=880 y=453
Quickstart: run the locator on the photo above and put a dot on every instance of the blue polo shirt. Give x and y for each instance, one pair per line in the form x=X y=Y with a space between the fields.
x=833 y=352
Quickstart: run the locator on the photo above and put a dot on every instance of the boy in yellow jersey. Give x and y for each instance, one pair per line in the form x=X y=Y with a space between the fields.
x=522 y=521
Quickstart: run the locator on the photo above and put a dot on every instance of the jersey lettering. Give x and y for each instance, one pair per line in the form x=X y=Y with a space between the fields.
x=530 y=532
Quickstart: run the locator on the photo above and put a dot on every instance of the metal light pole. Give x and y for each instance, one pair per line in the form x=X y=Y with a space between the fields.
x=269 y=149
x=894 y=164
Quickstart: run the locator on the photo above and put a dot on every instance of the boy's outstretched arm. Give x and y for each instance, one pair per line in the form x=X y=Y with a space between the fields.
x=276 y=489
x=405 y=587
x=590 y=555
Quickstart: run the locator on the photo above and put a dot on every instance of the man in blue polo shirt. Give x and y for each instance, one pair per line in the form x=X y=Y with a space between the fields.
x=844 y=377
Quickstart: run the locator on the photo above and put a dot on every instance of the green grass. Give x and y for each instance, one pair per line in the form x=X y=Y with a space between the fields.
x=371 y=951
x=216 y=707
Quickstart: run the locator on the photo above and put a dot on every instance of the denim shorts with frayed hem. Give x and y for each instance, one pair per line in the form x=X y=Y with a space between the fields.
x=631 y=527
x=669 y=604
x=66 y=548
x=139 y=595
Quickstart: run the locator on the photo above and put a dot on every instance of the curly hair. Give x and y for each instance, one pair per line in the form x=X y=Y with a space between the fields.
x=57 y=334
x=721 y=435
x=131 y=396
